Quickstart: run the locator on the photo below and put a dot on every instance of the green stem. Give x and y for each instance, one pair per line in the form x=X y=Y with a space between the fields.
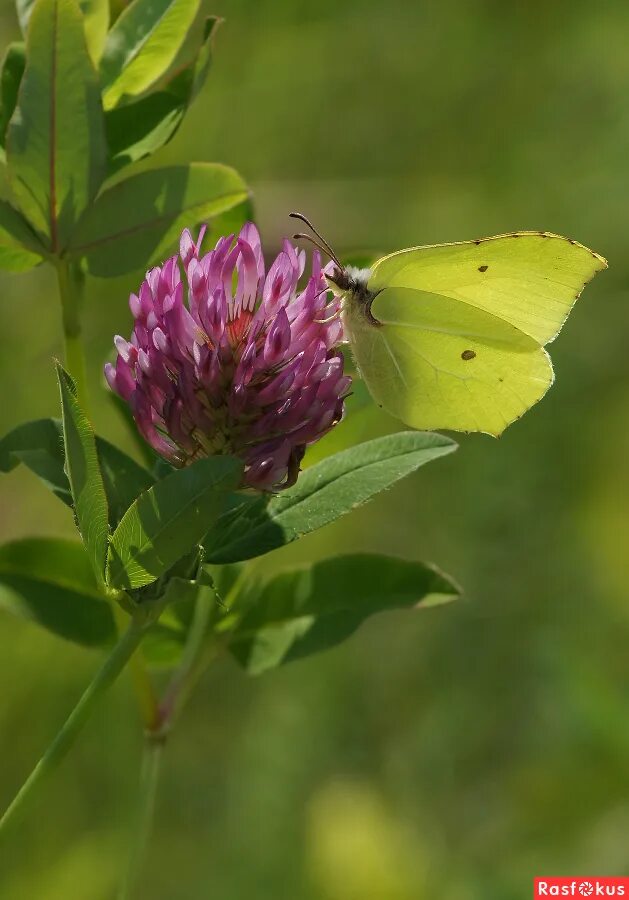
x=149 y=776
x=193 y=662
x=64 y=740
x=70 y=280
x=199 y=652
x=142 y=685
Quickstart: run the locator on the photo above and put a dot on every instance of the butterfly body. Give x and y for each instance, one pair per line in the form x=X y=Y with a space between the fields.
x=353 y=282
x=452 y=335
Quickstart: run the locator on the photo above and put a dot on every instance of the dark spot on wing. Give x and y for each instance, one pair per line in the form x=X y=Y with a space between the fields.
x=501 y=379
x=483 y=268
x=477 y=242
x=468 y=354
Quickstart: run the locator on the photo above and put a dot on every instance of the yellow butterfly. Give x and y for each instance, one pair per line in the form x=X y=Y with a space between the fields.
x=453 y=335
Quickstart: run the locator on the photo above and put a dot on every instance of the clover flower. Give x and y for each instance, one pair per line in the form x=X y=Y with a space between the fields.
x=248 y=367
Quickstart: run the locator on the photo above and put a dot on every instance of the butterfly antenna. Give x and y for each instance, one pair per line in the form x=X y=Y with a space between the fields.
x=301 y=236
x=324 y=246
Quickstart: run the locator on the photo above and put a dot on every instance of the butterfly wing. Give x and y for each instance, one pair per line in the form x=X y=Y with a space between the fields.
x=529 y=279
x=462 y=328
x=435 y=364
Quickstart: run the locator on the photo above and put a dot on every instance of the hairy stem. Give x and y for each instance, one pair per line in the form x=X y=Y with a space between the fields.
x=70 y=280
x=104 y=678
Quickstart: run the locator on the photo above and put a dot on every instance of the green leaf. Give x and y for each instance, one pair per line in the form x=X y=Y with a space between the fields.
x=24 y=9
x=18 y=244
x=142 y=45
x=139 y=220
x=123 y=477
x=50 y=581
x=315 y=607
x=96 y=21
x=13 y=66
x=95 y=16
x=191 y=79
x=55 y=144
x=166 y=522
x=39 y=446
x=84 y=475
x=139 y=129
x=322 y=494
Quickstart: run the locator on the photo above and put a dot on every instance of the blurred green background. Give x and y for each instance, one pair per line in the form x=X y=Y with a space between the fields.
x=452 y=753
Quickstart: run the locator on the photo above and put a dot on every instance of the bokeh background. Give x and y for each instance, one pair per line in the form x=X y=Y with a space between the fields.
x=451 y=753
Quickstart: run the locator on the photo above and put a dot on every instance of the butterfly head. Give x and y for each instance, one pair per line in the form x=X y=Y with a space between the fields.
x=347 y=279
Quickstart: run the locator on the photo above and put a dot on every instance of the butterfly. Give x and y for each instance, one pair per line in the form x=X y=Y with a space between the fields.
x=452 y=336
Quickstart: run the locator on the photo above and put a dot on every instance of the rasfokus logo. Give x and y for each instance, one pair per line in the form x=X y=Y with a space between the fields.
x=585 y=886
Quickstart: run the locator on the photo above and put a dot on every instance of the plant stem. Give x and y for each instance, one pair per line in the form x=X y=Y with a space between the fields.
x=193 y=661
x=70 y=280
x=149 y=776
x=142 y=684
x=71 y=283
x=64 y=740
